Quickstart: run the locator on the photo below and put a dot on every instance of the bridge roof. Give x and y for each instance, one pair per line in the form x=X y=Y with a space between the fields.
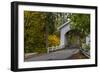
x=66 y=23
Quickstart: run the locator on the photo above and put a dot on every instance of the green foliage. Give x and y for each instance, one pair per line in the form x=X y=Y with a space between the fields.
x=60 y=18
x=40 y=28
x=86 y=47
x=80 y=22
x=34 y=30
x=37 y=27
x=50 y=22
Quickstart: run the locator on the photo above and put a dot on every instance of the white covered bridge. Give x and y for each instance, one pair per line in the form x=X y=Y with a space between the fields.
x=64 y=30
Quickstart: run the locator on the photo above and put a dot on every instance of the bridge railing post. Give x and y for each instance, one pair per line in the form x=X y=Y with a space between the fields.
x=54 y=48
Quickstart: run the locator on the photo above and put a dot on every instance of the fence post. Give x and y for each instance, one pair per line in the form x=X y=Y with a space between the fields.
x=48 y=50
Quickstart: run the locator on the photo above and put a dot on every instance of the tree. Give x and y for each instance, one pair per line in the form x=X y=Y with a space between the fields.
x=34 y=31
x=40 y=29
x=80 y=22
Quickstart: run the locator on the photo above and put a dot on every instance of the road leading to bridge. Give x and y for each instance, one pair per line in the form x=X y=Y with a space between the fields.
x=58 y=55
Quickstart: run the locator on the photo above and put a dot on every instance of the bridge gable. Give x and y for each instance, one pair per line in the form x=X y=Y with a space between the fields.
x=63 y=30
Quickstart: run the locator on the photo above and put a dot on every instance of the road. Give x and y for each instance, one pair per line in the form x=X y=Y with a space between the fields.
x=57 y=55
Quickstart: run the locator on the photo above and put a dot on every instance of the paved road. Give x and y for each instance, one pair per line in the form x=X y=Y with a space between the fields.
x=58 y=55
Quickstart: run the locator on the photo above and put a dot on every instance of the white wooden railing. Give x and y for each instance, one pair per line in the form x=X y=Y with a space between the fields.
x=54 y=48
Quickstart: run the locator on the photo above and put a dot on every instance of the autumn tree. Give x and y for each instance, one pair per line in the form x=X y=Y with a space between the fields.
x=34 y=31
x=53 y=40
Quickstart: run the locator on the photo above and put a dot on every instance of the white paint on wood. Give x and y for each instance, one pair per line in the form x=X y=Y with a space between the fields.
x=88 y=40
x=63 y=30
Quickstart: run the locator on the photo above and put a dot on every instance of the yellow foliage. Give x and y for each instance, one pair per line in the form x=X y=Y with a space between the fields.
x=53 y=40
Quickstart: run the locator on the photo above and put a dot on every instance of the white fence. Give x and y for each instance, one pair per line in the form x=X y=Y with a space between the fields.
x=54 y=48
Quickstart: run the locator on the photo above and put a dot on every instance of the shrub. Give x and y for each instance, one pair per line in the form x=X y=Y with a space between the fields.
x=53 y=40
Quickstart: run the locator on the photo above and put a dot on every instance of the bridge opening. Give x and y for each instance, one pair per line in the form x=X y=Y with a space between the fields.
x=72 y=39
